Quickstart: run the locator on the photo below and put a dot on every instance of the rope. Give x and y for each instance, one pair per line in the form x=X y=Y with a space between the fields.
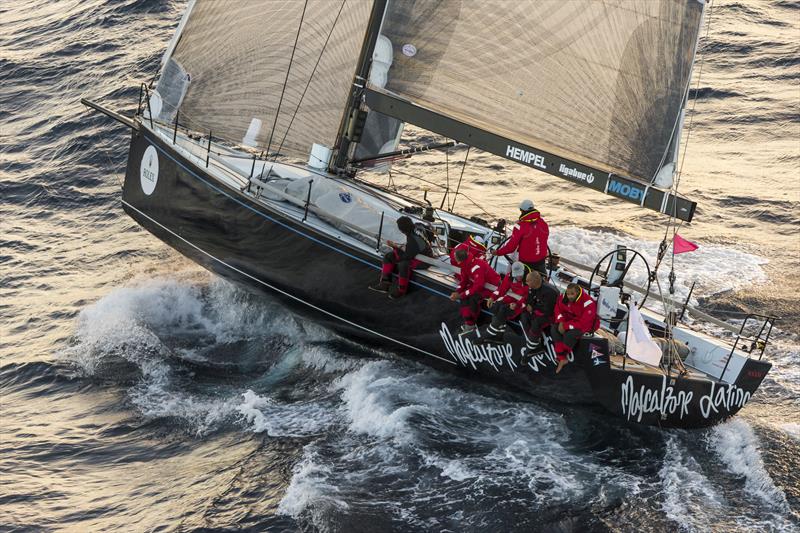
x=470 y=200
x=447 y=176
x=314 y=70
x=458 y=187
x=286 y=80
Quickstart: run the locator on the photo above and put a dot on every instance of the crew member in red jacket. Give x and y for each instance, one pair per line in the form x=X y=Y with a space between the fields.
x=473 y=245
x=529 y=238
x=475 y=273
x=575 y=314
x=507 y=302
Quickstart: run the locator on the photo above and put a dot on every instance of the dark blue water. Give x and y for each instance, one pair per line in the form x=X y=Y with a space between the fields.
x=139 y=393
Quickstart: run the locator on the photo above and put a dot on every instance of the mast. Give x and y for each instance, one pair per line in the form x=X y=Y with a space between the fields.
x=343 y=143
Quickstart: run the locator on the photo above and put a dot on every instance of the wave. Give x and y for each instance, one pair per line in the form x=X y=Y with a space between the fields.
x=737 y=446
x=689 y=498
x=716 y=269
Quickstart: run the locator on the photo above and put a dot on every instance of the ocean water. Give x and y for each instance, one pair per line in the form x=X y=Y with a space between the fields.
x=140 y=393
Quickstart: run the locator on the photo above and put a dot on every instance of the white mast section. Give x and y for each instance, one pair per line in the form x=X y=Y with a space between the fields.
x=175 y=38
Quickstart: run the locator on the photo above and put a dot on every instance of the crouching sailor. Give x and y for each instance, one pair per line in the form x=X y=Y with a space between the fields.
x=507 y=302
x=475 y=273
x=402 y=257
x=538 y=314
x=473 y=245
x=576 y=314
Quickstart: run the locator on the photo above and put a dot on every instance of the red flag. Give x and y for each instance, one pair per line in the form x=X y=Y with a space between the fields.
x=681 y=245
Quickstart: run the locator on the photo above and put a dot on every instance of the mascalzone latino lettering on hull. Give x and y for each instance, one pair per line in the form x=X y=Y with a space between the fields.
x=467 y=353
x=666 y=401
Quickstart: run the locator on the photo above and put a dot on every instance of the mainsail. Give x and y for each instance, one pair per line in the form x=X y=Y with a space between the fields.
x=227 y=71
x=589 y=91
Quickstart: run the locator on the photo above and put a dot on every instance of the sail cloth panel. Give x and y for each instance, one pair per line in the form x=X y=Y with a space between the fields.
x=228 y=69
x=597 y=82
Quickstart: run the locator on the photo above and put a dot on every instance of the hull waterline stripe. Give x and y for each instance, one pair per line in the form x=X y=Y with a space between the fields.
x=292 y=296
x=282 y=224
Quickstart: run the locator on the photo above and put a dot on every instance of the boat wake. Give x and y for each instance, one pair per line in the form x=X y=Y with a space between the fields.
x=204 y=357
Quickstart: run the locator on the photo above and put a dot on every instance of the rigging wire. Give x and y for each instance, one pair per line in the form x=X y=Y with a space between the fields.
x=470 y=200
x=447 y=176
x=286 y=80
x=676 y=184
x=671 y=223
x=458 y=187
x=308 y=84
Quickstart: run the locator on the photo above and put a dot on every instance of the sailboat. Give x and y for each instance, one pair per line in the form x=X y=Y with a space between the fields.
x=245 y=157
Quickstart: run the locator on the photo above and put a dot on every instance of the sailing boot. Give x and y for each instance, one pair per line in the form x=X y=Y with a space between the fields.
x=382 y=286
x=534 y=344
x=494 y=334
x=399 y=290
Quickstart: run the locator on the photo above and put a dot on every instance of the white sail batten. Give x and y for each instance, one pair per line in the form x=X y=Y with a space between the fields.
x=599 y=83
x=227 y=70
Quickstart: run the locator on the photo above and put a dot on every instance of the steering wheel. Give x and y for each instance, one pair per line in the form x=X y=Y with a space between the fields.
x=619 y=282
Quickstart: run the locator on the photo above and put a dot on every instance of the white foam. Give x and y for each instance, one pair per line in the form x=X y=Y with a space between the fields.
x=321 y=359
x=792 y=429
x=120 y=324
x=689 y=499
x=285 y=420
x=128 y=322
x=368 y=405
x=738 y=447
x=715 y=268
x=309 y=488
x=155 y=399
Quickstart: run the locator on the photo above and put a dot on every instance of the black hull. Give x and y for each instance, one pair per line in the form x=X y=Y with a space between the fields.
x=325 y=279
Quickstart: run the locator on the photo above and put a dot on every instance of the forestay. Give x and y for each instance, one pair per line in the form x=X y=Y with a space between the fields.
x=227 y=70
x=600 y=84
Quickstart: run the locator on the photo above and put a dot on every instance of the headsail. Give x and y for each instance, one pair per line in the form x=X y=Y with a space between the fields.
x=588 y=91
x=230 y=59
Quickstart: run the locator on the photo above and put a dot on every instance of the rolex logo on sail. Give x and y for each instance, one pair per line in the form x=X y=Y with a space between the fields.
x=529 y=158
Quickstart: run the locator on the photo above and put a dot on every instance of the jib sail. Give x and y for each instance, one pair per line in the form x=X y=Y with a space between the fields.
x=226 y=71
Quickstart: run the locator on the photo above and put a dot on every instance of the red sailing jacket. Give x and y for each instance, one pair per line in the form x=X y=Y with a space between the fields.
x=580 y=314
x=509 y=286
x=472 y=247
x=475 y=272
x=529 y=237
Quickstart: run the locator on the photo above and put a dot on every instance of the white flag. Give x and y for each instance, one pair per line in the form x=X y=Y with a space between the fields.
x=641 y=345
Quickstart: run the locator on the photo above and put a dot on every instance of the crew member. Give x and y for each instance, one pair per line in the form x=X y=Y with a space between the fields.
x=473 y=245
x=402 y=257
x=475 y=273
x=576 y=314
x=529 y=238
x=539 y=308
x=507 y=302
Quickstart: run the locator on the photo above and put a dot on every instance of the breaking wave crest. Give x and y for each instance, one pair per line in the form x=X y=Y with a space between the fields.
x=738 y=447
x=166 y=334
